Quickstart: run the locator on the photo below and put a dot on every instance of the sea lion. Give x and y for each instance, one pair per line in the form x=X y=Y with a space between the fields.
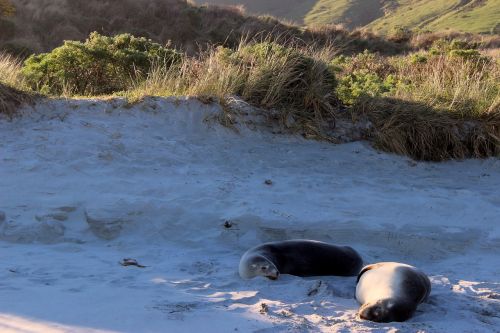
x=300 y=258
x=390 y=291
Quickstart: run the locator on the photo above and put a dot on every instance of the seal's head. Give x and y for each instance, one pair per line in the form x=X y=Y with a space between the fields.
x=257 y=265
x=386 y=310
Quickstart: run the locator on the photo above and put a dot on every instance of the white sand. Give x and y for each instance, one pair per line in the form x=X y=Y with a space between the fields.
x=164 y=181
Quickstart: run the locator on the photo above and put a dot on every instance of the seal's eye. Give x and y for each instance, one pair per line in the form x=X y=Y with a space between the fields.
x=264 y=268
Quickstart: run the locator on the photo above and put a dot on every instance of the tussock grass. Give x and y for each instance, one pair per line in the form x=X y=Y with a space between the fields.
x=10 y=71
x=12 y=86
x=423 y=133
x=468 y=88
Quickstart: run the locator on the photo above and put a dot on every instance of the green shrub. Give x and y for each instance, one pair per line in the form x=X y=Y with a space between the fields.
x=100 y=65
x=400 y=34
x=338 y=63
x=362 y=83
x=466 y=54
x=418 y=58
x=365 y=61
x=445 y=47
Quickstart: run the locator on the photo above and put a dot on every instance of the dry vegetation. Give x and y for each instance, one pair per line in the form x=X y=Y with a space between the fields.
x=12 y=88
x=296 y=86
x=43 y=25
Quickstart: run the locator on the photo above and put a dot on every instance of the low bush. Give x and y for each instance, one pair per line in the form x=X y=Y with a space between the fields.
x=362 y=83
x=456 y=48
x=100 y=65
x=400 y=34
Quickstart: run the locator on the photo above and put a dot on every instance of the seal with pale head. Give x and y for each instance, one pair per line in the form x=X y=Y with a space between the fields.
x=299 y=257
x=391 y=291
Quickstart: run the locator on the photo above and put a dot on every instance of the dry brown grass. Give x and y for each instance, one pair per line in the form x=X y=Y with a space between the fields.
x=12 y=88
x=423 y=133
x=10 y=70
x=468 y=88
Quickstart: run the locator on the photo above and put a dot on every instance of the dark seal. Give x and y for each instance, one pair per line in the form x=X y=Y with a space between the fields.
x=300 y=258
x=391 y=291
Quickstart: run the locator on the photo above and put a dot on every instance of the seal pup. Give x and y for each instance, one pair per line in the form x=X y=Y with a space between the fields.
x=390 y=291
x=300 y=258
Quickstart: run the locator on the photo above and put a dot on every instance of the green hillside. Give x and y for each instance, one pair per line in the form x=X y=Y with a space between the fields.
x=294 y=10
x=480 y=16
x=350 y=13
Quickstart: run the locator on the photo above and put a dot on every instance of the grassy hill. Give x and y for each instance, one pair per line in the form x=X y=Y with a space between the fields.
x=479 y=16
x=294 y=10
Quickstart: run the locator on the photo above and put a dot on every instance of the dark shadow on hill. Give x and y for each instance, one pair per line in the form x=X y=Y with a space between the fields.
x=44 y=26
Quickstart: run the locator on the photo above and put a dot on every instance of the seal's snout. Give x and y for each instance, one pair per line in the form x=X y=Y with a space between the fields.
x=273 y=276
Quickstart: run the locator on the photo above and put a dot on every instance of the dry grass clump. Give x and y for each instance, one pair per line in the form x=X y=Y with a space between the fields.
x=423 y=133
x=466 y=87
x=431 y=107
x=11 y=85
x=10 y=71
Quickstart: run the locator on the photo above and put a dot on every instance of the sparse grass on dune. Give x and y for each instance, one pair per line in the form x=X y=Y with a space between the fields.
x=447 y=107
x=436 y=105
x=292 y=84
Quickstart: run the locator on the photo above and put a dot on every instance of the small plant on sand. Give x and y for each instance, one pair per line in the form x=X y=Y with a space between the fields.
x=100 y=65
